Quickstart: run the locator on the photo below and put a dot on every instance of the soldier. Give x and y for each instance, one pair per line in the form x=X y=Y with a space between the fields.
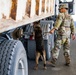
x=65 y=27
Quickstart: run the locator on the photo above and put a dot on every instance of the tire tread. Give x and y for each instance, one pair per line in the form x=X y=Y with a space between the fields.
x=6 y=55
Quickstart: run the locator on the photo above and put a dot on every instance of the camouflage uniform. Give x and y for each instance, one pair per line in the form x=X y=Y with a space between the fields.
x=65 y=27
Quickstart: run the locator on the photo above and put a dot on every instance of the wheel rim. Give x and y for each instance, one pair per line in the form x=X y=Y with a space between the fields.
x=21 y=68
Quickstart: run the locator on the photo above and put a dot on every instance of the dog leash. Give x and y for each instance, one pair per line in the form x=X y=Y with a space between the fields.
x=45 y=33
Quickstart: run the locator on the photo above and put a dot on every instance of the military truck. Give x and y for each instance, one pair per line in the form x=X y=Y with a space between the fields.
x=15 y=16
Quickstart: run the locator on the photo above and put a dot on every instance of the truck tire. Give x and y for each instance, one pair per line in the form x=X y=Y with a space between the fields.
x=13 y=58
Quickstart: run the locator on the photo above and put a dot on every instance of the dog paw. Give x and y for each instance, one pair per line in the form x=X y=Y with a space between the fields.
x=45 y=68
x=35 y=68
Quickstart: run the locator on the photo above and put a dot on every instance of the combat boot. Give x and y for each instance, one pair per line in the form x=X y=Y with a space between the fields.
x=52 y=62
x=67 y=59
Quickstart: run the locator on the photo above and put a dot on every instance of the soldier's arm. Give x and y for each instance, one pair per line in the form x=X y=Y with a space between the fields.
x=72 y=27
x=57 y=23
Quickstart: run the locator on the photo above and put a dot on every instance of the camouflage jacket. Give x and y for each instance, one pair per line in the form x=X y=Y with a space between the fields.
x=64 y=24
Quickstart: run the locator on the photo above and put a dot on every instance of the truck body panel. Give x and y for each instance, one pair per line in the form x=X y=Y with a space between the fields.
x=15 y=13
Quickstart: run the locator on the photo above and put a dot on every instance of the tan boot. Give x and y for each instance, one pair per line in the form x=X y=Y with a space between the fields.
x=52 y=62
x=67 y=59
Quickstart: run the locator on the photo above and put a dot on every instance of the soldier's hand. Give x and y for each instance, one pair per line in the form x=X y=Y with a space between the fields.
x=73 y=37
x=52 y=31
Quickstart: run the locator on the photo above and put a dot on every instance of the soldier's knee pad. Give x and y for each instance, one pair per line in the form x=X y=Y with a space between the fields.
x=66 y=54
x=67 y=57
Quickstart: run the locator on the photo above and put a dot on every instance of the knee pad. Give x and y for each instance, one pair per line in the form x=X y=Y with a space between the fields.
x=66 y=54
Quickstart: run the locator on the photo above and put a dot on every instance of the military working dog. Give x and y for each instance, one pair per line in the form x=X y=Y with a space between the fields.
x=40 y=51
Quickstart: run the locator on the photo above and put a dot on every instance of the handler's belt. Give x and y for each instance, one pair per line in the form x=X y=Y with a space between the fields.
x=67 y=26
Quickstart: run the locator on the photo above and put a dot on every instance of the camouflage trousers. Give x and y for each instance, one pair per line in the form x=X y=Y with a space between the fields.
x=61 y=41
